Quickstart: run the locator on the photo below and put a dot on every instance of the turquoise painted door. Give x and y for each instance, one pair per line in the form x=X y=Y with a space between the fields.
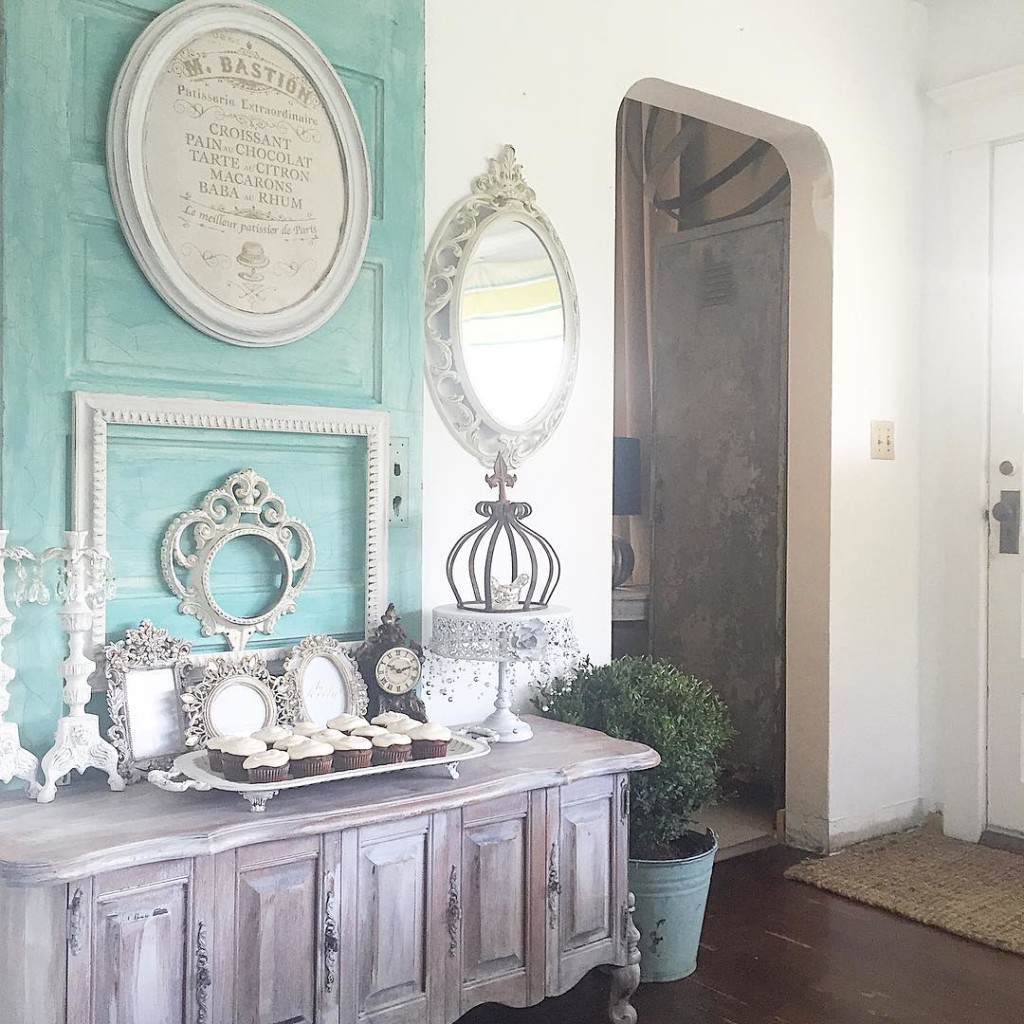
x=79 y=315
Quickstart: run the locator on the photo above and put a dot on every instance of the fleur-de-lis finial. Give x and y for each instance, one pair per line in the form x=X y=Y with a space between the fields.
x=501 y=478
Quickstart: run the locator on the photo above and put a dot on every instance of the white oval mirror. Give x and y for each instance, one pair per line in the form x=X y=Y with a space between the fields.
x=511 y=323
x=502 y=319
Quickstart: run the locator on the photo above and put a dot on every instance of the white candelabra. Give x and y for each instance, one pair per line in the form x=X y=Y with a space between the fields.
x=83 y=584
x=15 y=761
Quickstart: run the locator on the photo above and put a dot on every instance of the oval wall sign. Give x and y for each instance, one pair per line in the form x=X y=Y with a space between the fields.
x=238 y=171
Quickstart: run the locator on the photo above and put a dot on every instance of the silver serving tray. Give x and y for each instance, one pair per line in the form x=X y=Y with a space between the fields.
x=192 y=771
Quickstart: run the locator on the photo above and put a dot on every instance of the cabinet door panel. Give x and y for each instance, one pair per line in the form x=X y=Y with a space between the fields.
x=142 y=945
x=392 y=918
x=592 y=830
x=502 y=902
x=277 y=932
x=587 y=868
x=494 y=874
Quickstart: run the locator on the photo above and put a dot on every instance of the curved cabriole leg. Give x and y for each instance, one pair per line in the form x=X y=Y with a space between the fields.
x=626 y=980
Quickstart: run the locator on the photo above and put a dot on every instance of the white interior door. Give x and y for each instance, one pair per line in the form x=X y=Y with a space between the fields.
x=1006 y=473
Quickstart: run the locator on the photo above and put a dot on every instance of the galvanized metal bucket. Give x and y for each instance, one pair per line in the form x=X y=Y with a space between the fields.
x=671 y=896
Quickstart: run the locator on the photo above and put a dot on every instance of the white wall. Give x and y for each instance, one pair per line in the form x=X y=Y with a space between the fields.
x=548 y=77
x=976 y=50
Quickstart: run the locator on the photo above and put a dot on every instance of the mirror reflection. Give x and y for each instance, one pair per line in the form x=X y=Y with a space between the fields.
x=247 y=576
x=512 y=323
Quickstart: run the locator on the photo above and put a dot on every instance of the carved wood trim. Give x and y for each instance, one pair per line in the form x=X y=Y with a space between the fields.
x=203 y=977
x=454 y=911
x=94 y=412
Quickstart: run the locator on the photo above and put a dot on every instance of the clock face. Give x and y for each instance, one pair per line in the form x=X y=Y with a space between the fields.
x=398 y=670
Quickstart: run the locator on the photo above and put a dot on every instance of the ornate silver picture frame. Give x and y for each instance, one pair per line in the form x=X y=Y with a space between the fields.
x=236 y=696
x=146 y=671
x=243 y=507
x=326 y=680
x=239 y=171
x=481 y=238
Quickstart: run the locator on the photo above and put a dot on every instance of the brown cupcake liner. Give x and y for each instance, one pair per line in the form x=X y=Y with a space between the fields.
x=268 y=773
x=307 y=767
x=422 y=749
x=391 y=755
x=351 y=760
x=233 y=770
x=214 y=757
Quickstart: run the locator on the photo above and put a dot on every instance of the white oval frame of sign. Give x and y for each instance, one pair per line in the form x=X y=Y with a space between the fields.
x=126 y=127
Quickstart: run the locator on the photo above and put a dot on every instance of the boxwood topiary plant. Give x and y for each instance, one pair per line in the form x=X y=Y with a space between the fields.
x=681 y=717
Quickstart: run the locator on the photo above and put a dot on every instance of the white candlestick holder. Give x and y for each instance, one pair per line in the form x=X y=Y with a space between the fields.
x=15 y=761
x=83 y=585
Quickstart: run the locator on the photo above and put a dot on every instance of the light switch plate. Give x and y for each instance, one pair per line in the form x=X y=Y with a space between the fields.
x=883 y=439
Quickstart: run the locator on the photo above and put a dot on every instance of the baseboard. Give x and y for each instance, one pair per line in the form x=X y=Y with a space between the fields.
x=1012 y=841
x=855 y=828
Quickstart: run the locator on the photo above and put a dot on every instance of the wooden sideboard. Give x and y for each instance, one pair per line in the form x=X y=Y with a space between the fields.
x=389 y=900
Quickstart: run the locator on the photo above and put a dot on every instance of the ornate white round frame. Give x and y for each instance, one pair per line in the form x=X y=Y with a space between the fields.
x=500 y=194
x=163 y=38
x=245 y=505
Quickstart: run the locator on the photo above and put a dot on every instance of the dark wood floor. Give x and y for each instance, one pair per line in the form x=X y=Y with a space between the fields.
x=778 y=952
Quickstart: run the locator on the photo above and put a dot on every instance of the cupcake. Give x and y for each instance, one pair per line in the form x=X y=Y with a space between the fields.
x=351 y=752
x=429 y=740
x=391 y=748
x=272 y=734
x=269 y=766
x=369 y=731
x=311 y=758
x=327 y=735
x=214 y=746
x=289 y=741
x=389 y=718
x=234 y=751
x=346 y=723
x=306 y=728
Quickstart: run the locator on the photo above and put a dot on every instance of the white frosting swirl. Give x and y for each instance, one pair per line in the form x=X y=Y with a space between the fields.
x=240 y=745
x=267 y=759
x=369 y=730
x=311 y=748
x=346 y=723
x=217 y=742
x=289 y=741
x=327 y=735
x=389 y=718
x=306 y=728
x=391 y=739
x=272 y=733
x=431 y=731
x=351 y=743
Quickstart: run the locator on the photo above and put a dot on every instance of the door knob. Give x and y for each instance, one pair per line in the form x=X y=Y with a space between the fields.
x=1002 y=512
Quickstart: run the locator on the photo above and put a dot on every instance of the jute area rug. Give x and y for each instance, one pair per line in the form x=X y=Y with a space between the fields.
x=959 y=887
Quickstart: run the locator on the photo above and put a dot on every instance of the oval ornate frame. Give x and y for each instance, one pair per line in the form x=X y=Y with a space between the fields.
x=126 y=124
x=324 y=646
x=244 y=506
x=501 y=193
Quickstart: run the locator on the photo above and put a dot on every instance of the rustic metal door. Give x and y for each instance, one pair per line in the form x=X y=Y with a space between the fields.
x=719 y=465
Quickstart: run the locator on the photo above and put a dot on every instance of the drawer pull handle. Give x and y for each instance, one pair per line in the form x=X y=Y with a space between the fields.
x=75 y=923
x=454 y=912
x=554 y=885
x=331 y=943
x=203 y=976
